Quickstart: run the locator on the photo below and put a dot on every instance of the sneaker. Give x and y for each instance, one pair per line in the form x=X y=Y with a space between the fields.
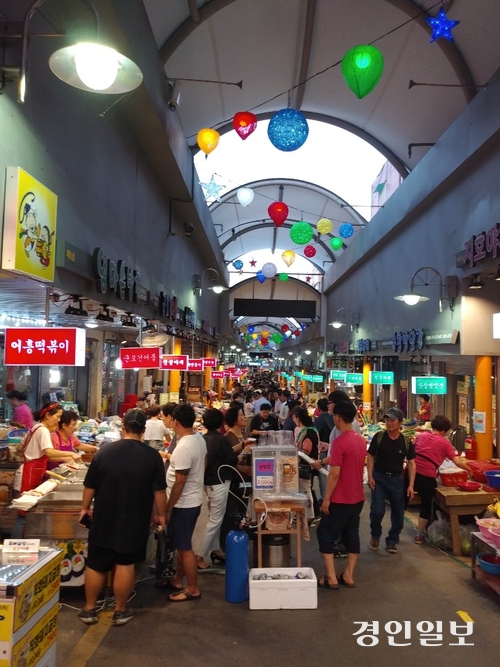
x=420 y=539
x=123 y=617
x=391 y=548
x=89 y=617
x=374 y=543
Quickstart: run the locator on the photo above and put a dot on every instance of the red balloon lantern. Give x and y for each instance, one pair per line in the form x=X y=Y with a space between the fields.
x=278 y=212
x=284 y=328
x=309 y=251
x=296 y=333
x=264 y=341
x=244 y=122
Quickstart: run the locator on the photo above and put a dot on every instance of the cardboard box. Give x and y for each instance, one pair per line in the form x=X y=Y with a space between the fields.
x=283 y=593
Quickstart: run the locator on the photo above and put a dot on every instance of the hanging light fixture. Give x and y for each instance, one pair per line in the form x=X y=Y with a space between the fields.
x=90 y=66
x=245 y=196
x=288 y=130
x=476 y=282
x=427 y=276
x=362 y=67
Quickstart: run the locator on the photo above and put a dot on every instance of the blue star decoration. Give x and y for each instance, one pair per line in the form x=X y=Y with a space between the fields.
x=212 y=189
x=441 y=26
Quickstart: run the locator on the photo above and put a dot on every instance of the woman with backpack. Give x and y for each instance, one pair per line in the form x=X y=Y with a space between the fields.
x=307 y=441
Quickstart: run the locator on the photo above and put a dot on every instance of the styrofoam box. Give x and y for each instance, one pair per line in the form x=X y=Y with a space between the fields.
x=283 y=593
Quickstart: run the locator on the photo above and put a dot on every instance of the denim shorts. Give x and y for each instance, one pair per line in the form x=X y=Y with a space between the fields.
x=181 y=526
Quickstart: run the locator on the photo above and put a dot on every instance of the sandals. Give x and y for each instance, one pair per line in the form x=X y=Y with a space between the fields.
x=187 y=596
x=165 y=584
x=324 y=583
x=345 y=583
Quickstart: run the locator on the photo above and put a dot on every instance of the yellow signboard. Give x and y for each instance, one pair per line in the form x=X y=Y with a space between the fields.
x=37 y=641
x=33 y=593
x=29 y=233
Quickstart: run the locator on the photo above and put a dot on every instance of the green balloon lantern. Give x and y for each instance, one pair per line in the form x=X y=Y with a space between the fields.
x=283 y=277
x=362 y=67
x=301 y=233
x=336 y=243
x=277 y=338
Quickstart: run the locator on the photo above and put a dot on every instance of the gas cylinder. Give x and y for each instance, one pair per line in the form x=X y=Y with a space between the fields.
x=237 y=568
x=470 y=448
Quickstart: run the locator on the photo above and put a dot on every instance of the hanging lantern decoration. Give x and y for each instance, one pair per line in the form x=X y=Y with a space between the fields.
x=288 y=257
x=248 y=338
x=243 y=328
x=309 y=251
x=269 y=270
x=260 y=277
x=287 y=130
x=283 y=277
x=265 y=331
x=324 y=226
x=278 y=212
x=336 y=243
x=277 y=338
x=238 y=264
x=245 y=196
x=251 y=329
x=244 y=123
x=208 y=139
x=303 y=326
x=301 y=233
x=362 y=67
x=441 y=26
x=255 y=336
x=297 y=333
x=284 y=328
x=346 y=230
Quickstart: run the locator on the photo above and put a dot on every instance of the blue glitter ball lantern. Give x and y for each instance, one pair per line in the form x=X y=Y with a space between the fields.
x=288 y=130
x=238 y=264
x=346 y=230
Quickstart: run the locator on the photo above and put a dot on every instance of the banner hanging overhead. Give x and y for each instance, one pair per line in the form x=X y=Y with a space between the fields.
x=44 y=346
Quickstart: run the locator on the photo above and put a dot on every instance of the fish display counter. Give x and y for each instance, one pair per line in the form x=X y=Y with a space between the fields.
x=54 y=520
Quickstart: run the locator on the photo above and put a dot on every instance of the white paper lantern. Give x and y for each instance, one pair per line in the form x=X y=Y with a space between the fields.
x=269 y=270
x=245 y=196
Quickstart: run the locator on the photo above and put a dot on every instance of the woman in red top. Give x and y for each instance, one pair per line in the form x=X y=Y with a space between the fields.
x=423 y=413
x=431 y=449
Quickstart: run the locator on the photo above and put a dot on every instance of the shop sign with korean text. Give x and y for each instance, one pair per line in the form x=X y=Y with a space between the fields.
x=354 y=378
x=29 y=234
x=338 y=375
x=381 y=377
x=195 y=364
x=174 y=362
x=44 y=346
x=429 y=384
x=209 y=362
x=140 y=357
x=217 y=375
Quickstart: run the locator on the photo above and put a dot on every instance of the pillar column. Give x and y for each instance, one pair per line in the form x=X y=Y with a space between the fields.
x=175 y=376
x=483 y=403
x=367 y=390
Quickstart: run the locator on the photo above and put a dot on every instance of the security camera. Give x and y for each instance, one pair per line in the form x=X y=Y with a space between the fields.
x=188 y=229
x=175 y=97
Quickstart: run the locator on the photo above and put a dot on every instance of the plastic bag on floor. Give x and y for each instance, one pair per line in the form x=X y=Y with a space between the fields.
x=465 y=540
x=439 y=534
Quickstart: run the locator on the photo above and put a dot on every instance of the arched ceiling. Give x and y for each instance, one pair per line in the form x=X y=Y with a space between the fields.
x=275 y=45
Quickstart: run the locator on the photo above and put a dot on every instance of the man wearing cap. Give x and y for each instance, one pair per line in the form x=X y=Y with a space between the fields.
x=385 y=462
x=124 y=479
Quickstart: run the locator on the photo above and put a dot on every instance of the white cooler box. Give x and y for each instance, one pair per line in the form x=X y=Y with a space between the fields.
x=283 y=593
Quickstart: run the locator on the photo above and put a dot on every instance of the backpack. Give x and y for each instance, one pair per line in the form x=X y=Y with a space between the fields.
x=380 y=434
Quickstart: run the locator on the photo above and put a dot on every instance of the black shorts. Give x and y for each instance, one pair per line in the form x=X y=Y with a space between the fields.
x=342 y=521
x=101 y=559
x=181 y=526
x=425 y=487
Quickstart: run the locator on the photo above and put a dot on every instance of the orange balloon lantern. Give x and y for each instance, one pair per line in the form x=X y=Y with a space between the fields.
x=208 y=139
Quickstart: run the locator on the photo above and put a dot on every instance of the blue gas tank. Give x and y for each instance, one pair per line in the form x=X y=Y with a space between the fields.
x=237 y=569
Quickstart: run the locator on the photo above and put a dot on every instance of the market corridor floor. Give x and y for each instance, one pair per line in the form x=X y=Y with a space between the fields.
x=418 y=584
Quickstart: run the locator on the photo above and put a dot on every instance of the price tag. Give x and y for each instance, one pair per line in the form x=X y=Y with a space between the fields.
x=21 y=546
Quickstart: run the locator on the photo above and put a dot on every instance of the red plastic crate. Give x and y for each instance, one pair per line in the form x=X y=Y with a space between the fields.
x=454 y=478
x=478 y=468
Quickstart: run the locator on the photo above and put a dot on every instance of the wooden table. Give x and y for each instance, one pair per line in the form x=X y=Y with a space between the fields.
x=457 y=503
x=285 y=506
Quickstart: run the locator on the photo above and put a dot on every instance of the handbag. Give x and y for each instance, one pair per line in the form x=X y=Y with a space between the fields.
x=163 y=551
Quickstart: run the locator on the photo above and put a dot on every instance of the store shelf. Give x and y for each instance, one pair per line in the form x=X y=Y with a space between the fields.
x=476 y=572
x=488 y=579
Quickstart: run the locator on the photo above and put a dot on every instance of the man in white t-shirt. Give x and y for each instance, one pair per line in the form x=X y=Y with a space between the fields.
x=185 y=496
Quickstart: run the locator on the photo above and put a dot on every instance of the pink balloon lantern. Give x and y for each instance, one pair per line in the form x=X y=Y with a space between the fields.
x=244 y=123
x=284 y=328
x=278 y=212
x=309 y=251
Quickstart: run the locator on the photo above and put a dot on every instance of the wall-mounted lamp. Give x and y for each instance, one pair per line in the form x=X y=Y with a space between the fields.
x=477 y=283
x=340 y=320
x=215 y=282
x=427 y=276
x=76 y=309
x=90 y=66
x=104 y=315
